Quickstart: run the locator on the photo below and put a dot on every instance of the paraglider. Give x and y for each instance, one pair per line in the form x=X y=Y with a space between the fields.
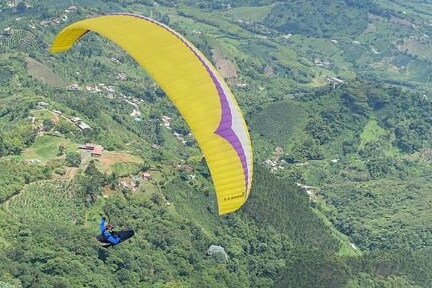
x=109 y=237
x=195 y=88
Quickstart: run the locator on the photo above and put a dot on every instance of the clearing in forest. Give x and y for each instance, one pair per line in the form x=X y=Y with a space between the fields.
x=42 y=73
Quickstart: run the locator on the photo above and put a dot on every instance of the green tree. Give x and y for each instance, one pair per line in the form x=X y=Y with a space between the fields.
x=22 y=7
x=314 y=268
x=61 y=149
x=65 y=127
x=307 y=149
x=73 y=159
x=47 y=124
x=319 y=130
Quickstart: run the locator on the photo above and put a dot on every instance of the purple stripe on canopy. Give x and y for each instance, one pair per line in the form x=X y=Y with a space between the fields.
x=225 y=125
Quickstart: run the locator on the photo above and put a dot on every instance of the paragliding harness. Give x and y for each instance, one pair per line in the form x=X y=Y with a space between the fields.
x=118 y=235
x=103 y=239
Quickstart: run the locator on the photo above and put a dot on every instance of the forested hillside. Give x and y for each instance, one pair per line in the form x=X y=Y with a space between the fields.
x=336 y=95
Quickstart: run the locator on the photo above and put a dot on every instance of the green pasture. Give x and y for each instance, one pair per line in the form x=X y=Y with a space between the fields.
x=251 y=14
x=125 y=168
x=46 y=147
x=42 y=114
x=371 y=132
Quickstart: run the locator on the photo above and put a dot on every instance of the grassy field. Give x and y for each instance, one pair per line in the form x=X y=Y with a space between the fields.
x=44 y=114
x=125 y=168
x=46 y=148
x=122 y=163
x=372 y=132
x=251 y=14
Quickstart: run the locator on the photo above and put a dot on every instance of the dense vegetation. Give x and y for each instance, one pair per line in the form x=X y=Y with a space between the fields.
x=319 y=18
x=341 y=194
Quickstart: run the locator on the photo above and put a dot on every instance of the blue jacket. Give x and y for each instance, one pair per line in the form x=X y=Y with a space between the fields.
x=112 y=239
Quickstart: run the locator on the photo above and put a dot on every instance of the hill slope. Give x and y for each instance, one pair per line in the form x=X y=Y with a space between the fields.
x=318 y=119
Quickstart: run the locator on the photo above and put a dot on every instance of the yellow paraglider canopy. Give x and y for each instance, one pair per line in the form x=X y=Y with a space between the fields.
x=193 y=85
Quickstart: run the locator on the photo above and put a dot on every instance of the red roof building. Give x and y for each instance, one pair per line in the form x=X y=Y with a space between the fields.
x=97 y=151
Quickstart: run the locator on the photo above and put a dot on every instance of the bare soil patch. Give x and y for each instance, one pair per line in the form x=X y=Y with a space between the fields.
x=225 y=67
x=109 y=158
